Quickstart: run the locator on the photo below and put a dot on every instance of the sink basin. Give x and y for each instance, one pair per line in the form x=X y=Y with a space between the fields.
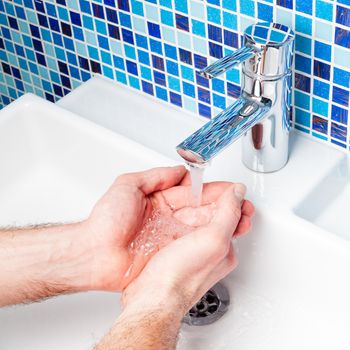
x=327 y=205
x=291 y=290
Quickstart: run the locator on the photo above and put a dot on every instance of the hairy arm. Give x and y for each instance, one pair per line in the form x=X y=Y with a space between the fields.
x=43 y=261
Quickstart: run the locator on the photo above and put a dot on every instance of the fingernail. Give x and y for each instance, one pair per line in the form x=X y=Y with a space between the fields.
x=240 y=191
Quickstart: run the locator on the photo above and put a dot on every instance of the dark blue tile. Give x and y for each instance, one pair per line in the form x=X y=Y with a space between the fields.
x=109 y=2
x=57 y=90
x=204 y=110
x=128 y=36
x=20 y=12
x=51 y=9
x=124 y=5
x=302 y=82
x=181 y=22
x=285 y=3
x=54 y=25
x=16 y=73
x=37 y=45
x=35 y=31
x=215 y=50
x=185 y=56
x=339 y=114
x=200 y=61
x=49 y=97
x=338 y=143
x=7 y=35
x=98 y=11
x=112 y=15
x=57 y=39
x=340 y=96
x=159 y=78
x=40 y=59
x=39 y=6
x=322 y=70
x=61 y=2
x=1 y=43
x=83 y=63
x=65 y=81
x=62 y=66
x=147 y=87
x=320 y=124
x=12 y=22
x=158 y=62
x=43 y=21
x=215 y=33
x=131 y=67
x=66 y=29
x=19 y=85
x=75 y=18
x=95 y=66
x=28 y=3
x=153 y=29
x=19 y=50
x=113 y=31
x=201 y=80
x=343 y=15
x=175 y=99
x=203 y=95
x=342 y=37
x=339 y=132
x=230 y=39
x=233 y=90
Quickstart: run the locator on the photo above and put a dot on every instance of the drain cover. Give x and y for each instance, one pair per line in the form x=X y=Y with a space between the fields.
x=210 y=308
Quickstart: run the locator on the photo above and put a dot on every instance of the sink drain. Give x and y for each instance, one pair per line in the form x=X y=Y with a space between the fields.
x=210 y=308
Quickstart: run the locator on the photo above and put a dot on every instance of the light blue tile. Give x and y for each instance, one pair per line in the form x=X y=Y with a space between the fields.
x=197 y=10
x=139 y=24
x=184 y=40
x=168 y=35
x=284 y=16
x=152 y=13
x=323 y=31
x=190 y=104
x=342 y=57
x=200 y=45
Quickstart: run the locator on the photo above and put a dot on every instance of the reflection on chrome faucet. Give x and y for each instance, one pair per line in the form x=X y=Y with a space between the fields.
x=261 y=115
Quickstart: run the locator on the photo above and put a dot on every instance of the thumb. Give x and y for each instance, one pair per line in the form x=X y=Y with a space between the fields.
x=228 y=209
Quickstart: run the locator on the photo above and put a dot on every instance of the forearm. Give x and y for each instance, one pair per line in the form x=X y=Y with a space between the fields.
x=152 y=329
x=37 y=263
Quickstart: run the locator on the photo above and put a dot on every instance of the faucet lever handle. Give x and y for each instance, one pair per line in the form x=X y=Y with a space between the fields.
x=223 y=64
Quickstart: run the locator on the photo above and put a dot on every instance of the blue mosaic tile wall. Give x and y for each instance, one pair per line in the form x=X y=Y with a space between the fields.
x=156 y=46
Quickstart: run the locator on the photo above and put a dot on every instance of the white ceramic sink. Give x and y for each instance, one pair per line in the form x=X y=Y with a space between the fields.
x=291 y=290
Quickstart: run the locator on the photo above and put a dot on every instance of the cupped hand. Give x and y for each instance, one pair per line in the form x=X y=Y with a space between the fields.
x=117 y=221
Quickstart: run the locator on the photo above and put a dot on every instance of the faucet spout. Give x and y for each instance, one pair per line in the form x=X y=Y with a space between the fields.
x=228 y=126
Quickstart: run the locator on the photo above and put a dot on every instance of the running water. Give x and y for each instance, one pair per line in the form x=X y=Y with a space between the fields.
x=197 y=184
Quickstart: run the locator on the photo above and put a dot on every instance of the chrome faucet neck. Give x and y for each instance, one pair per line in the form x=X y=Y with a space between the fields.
x=266 y=84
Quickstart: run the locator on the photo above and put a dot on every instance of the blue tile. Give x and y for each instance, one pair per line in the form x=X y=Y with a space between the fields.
x=303 y=44
x=204 y=110
x=342 y=37
x=214 y=33
x=161 y=93
x=175 y=99
x=143 y=57
x=323 y=51
x=339 y=132
x=304 y=6
x=343 y=15
x=341 y=77
x=201 y=80
x=218 y=85
x=153 y=29
x=303 y=63
x=285 y=3
x=141 y=41
x=172 y=67
x=181 y=5
x=319 y=124
x=203 y=95
x=185 y=56
x=219 y=101
x=324 y=10
x=170 y=51
x=321 y=89
x=322 y=70
x=128 y=36
x=302 y=82
x=188 y=89
x=215 y=50
x=301 y=100
x=340 y=96
x=247 y=7
x=233 y=90
x=339 y=114
x=229 y=5
x=265 y=12
x=182 y=22
x=159 y=78
x=302 y=117
x=303 y=24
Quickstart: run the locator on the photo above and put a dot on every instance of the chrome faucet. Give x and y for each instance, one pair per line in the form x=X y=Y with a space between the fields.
x=261 y=114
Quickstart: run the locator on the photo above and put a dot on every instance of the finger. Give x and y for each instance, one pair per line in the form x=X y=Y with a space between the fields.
x=244 y=226
x=194 y=217
x=248 y=208
x=181 y=196
x=154 y=179
x=186 y=179
x=228 y=210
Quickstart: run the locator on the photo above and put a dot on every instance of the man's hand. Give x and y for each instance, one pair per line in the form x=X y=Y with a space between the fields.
x=119 y=215
x=180 y=273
